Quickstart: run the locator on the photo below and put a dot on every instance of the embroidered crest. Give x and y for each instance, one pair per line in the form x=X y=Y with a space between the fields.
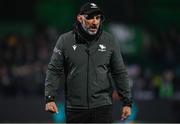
x=102 y=48
x=93 y=5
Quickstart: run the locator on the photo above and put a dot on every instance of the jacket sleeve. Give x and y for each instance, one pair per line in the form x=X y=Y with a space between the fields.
x=55 y=71
x=119 y=74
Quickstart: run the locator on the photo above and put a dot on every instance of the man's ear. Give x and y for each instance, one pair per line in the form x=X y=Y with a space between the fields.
x=79 y=18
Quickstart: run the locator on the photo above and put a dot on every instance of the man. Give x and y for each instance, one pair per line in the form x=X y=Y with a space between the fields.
x=86 y=58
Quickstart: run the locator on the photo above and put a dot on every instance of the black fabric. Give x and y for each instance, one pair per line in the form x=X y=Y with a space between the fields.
x=90 y=8
x=127 y=102
x=49 y=99
x=96 y=115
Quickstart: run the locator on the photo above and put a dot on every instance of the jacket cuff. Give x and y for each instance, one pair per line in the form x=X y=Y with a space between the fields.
x=49 y=99
x=127 y=102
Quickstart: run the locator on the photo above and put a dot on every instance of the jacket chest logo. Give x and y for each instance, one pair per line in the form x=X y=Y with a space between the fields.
x=74 y=47
x=102 y=48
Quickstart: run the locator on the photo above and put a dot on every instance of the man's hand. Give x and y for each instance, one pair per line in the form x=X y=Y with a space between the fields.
x=51 y=107
x=126 y=111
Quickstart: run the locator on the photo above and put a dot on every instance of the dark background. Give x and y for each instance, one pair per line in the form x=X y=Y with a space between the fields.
x=148 y=32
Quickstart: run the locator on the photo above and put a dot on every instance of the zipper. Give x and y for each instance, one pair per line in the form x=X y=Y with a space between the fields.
x=87 y=50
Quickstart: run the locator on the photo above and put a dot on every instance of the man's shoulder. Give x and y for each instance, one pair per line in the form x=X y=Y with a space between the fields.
x=66 y=38
x=67 y=34
x=106 y=34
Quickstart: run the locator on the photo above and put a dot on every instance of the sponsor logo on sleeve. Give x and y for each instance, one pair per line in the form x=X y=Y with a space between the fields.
x=58 y=51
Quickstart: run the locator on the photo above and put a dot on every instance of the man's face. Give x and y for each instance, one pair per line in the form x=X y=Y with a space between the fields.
x=90 y=23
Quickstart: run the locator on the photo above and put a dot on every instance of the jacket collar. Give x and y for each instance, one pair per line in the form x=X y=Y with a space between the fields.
x=83 y=36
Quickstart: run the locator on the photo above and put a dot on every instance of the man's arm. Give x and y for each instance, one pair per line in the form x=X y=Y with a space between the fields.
x=120 y=76
x=54 y=76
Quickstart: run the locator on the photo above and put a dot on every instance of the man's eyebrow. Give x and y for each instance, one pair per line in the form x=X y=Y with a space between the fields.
x=97 y=15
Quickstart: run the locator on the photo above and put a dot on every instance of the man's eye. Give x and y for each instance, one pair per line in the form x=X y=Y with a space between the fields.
x=98 y=17
x=92 y=17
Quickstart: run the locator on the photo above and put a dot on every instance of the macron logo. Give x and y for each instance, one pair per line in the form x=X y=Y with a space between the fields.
x=74 y=47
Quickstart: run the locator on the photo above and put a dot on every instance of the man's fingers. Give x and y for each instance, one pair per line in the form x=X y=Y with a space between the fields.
x=126 y=111
x=123 y=116
x=55 y=109
x=51 y=107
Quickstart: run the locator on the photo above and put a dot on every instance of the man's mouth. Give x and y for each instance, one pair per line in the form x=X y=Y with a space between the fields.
x=93 y=29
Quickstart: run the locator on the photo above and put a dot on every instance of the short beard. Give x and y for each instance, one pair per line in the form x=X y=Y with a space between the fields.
x=87 y=30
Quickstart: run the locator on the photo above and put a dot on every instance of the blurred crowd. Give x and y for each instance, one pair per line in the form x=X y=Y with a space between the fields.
x=24 y=62
x=154 y=75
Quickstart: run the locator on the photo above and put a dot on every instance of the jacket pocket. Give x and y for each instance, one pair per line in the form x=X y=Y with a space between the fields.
x=102 y=77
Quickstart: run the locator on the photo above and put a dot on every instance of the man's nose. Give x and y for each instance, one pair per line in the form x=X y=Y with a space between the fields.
x=95 y=21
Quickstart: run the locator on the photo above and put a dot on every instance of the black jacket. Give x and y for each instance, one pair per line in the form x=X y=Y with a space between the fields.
x=87 y=67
